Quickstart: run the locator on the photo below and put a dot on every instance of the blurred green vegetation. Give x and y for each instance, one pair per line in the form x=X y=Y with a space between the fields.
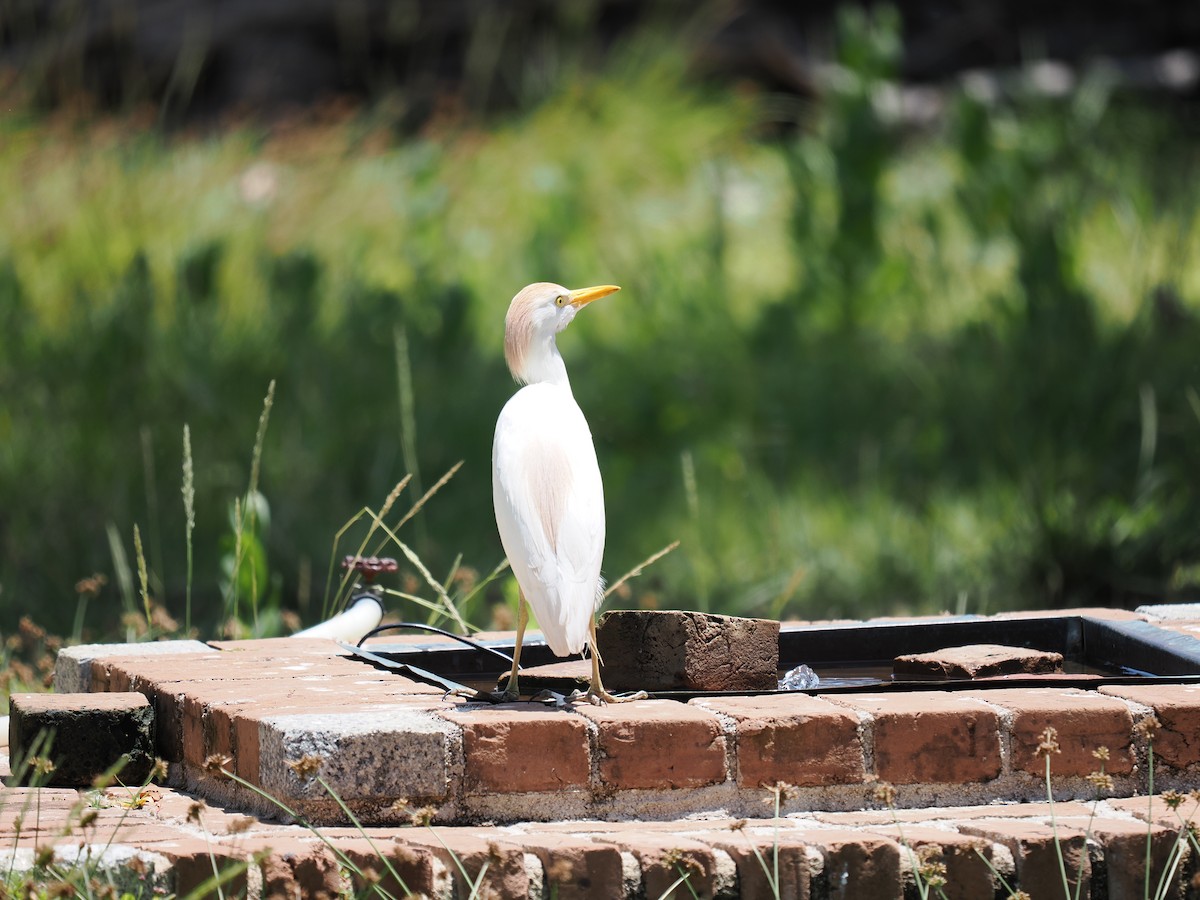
x=857 y=367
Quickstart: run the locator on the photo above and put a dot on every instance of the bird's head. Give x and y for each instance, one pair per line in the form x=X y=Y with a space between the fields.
x=535 y=316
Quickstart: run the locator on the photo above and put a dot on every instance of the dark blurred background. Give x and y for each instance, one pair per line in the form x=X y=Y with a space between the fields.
x=203 y=60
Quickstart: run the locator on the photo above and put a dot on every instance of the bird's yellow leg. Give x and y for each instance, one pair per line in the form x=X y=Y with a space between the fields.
x=512 y=688
x=596 y=692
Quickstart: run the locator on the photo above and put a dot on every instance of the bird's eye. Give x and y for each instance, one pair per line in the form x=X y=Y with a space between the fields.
x=560 y=300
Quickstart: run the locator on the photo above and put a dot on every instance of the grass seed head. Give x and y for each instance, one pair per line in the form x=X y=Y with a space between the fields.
x=240 y=824
x=884 y=793
x=1148 y=728
x=1049 y=742
x=216 y=764
x=306 y=767
x=159 y=771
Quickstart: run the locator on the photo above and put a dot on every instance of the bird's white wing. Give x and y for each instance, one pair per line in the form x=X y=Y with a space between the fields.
x=549 y=503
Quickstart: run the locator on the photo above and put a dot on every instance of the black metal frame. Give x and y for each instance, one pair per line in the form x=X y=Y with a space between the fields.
x=1134 y=652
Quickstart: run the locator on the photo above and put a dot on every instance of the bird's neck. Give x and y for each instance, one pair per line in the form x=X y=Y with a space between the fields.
x=544 y=365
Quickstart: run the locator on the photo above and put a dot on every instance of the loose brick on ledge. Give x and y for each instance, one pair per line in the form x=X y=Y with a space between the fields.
x=1033 y=849
x=1177 y=707
x=662 y=650
x=793 y=738
x=931 y=737
x=88 y=734
x=509 y=749
x=656 y=744
x=1084 y=721
x=978 y=661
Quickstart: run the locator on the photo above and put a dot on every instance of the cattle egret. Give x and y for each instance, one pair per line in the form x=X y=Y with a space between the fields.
x=546 y=482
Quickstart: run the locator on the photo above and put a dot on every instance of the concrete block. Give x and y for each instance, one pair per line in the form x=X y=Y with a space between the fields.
x=395 y=752
x=89 y=733
x=73 y=666
x=675 y=650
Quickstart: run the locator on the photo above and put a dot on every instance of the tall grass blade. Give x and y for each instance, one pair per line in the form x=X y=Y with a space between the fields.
x=189 y=510
x=143 y=577
x=408 y=416
x=121 y=568
x=640 y=568
x=348 y=577
x=154 y=537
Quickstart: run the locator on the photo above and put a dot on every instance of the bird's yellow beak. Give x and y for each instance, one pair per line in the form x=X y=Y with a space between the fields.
x=584 y=296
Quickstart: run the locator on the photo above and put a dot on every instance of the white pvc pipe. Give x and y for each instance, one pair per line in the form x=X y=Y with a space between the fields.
x=351 y=625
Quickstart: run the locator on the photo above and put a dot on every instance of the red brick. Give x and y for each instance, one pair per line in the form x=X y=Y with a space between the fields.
x=857 y=864
x=299 y=868
x=931 y=737
x=284 y=647
x=84 y=734
x=1124 y=844
x=575 y=868
x=1177 y=707
x=1084 y=720
x=792 y=738
x=656 y=744
x=199 y=739
x=756 y=871
x=193 y=860
x=978 y=661
x=509 y=749
x=460 y=850
x=1157 y=810
x=665 y=859
x=99 y=680
x=1033 y=848
x=967 y=873
x=662 y=650
x=399 y=869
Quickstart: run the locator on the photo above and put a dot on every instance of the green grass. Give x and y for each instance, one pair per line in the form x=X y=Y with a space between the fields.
x=908 y=371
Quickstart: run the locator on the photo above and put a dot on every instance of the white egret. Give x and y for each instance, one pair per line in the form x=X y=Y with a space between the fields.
x=546 y=483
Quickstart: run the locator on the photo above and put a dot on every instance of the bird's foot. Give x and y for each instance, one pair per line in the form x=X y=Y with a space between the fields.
x=600 y=697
